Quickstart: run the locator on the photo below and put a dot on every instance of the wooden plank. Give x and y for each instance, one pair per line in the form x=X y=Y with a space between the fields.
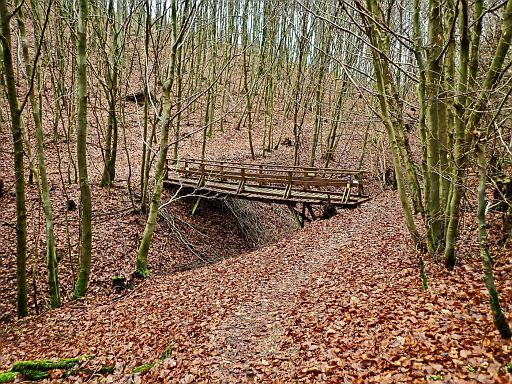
x=234 y=164
x=269 y=193
x=274 y=192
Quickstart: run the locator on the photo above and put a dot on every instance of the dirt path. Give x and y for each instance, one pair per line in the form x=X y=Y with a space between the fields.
x=257 y=333
x=252 y=333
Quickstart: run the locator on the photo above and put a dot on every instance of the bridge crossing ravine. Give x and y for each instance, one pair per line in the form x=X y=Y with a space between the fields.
x=294 y=186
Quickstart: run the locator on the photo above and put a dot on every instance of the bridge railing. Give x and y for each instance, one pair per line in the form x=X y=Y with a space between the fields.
x=346 y=181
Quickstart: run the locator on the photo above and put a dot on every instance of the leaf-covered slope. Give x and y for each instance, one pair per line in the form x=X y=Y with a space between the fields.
x=340 y=301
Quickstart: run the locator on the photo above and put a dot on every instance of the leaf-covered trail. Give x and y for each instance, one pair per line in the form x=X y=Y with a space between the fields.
x=253 y=331
x=337 y=302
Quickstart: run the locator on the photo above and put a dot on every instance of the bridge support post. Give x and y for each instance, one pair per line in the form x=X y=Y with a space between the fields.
x=300 y=216
x=310 y=210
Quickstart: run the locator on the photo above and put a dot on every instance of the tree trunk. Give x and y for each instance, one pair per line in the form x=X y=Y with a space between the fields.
x=36 y=102
x=17 y=136
x=499 y=318
x=112 y=80
x=378 y=63
x=459 y=142
x=141 y=268
x=81 y=151
x=435 y=119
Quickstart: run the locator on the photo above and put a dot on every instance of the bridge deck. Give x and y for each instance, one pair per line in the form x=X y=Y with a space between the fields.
x=270 y=183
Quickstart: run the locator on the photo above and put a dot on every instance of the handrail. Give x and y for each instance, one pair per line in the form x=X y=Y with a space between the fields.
x=270 y=177
x=271 y=167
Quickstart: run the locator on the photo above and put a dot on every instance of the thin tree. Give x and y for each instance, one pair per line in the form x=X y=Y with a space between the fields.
x=189 y=9
x=33 y=72
x=82 y=281
x=17 y=135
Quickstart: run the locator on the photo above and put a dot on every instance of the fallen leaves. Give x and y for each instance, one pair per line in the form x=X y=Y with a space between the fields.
x=343 y=311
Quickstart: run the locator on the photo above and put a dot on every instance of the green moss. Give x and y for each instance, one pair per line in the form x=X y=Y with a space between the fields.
x=143 y=368
x=38 y=369
x=102 y=371
x=167 y=352
x=141 y=272
x=146 y=367
x=509 y=367
x=105 y=369
x=81 y=284
x=35 y=374
x=437 y=377
x=7 y=376
x=44 y=365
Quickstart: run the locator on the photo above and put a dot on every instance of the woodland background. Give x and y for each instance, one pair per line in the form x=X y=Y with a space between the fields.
x=98 y=95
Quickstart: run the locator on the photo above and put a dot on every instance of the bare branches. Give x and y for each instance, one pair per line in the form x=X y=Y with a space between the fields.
x=36 y=57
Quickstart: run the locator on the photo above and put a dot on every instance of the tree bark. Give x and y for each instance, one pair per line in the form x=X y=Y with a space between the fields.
x=435 y=119
x=82 y=281
x=459 y=144
x=44 y=189
x=17 y=136
x=141 y=268
x=499 y=318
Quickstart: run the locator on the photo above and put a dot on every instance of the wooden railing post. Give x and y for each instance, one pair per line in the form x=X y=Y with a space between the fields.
x=202 y=176
x=221 y=171
x=346 y=192
x=360 y=190
x=288 y=190
x=242 y=181
x=187 y=174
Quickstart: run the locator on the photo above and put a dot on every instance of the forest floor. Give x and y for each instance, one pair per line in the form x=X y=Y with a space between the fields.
x=340 y=301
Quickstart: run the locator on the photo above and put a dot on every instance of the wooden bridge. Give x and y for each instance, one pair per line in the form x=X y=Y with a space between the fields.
x=270 y=183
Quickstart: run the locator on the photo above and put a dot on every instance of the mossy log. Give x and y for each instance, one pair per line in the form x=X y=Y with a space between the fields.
x=38 y=369
x=102 y=371
x=35 y=375
x=46 y=365
x=7 y=376
x=146 y=367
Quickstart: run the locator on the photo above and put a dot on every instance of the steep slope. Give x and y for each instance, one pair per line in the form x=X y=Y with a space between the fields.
x=340 y=301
